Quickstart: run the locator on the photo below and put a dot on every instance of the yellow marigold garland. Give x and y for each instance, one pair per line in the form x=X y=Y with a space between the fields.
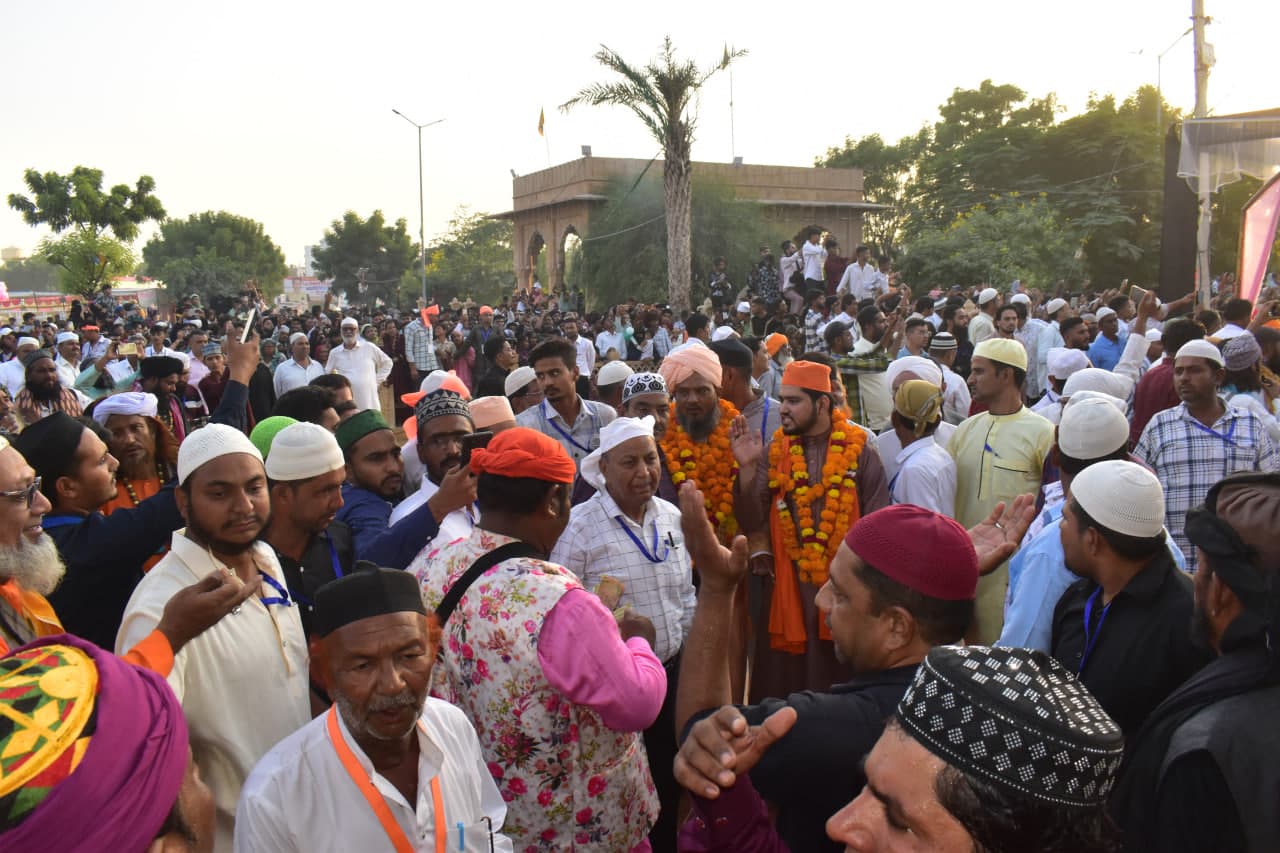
x=710 y=464
x=811 y=545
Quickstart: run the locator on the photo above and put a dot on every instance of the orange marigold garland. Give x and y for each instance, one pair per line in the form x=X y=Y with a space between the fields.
x=810 y=542
x=710 y=464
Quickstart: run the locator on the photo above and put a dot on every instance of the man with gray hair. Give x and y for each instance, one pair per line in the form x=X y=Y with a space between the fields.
x=299 y=370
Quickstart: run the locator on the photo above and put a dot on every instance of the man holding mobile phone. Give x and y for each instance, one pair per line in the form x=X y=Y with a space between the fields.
x=444 y=423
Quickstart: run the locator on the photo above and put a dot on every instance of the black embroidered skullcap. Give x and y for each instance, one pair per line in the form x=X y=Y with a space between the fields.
x=643 y=383
x=439 y=404
x=364 y=593
x=160 y=366
x=732 y=353
x=32 y=357
x=1015 y=718
x=49 y=446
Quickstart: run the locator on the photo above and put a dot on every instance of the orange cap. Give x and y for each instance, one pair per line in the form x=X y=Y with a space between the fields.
x=808 y=374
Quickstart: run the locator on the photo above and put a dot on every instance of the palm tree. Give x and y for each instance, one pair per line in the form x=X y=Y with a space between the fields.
x=660 y=94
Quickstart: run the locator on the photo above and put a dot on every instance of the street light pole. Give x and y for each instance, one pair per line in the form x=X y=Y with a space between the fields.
x=422 y=216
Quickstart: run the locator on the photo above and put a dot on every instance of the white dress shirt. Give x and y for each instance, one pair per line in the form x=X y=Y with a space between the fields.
x=586 y=355
x=67 y=372
x=607 y=340
x=595 y=544
x=14 y=376
x=815 y=256
x=366 y=365
x=301 y=798
x=956 y=398
x=290 y=374
x=579 y=438
x=243 y=683
x=863 y=282
x=456 y=525
x=888 y=445
x=926 y=477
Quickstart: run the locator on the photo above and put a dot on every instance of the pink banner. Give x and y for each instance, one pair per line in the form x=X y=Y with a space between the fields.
x=1257 y=236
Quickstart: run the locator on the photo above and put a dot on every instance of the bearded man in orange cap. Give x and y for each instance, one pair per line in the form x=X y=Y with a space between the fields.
x=823 y=475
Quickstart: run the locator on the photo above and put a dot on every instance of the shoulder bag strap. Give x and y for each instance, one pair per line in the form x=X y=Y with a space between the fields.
x=507 y=552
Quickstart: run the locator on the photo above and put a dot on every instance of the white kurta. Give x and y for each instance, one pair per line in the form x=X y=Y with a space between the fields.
x=301 y=798
x=456 y=525
x=243 y=683
x=366 y=366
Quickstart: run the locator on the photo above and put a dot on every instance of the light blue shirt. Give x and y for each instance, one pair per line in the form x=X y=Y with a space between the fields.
x=1038 y=576
x=1106 y=354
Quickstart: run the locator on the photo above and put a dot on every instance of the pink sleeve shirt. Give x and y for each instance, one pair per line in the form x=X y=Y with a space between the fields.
x=584 y=657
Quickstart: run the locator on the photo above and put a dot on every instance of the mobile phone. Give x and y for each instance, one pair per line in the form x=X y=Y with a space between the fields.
x=1137 y=294
x=248 y=325
x=472 y=441
x=127 y=349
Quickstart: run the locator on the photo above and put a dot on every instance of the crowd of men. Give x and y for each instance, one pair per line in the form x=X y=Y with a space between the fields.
x=819 y=565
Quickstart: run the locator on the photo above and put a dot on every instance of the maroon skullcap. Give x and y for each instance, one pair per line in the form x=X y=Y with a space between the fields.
x=919 y=549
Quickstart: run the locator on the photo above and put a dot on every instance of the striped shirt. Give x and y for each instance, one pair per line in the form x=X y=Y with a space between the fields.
x=1189 y=458
x=420 y=346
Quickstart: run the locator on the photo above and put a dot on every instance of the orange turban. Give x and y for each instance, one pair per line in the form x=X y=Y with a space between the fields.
x=808 y=374
x=775 y=342
x=524 y=452
x=684 y=361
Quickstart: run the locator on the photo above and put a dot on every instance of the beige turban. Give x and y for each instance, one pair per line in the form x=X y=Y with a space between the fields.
x=683 y=362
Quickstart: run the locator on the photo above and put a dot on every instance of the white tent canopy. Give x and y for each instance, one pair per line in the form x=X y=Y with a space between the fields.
x=1225 y=148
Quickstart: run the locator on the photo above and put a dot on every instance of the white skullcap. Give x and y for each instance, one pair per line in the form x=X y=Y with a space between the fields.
x=28 y=342
x=723 y=333
x=518 y=379
x=1104 y=312
x=295 y=337
x=613 y=373
x=488 y=412
x=1197 y=348
x=744 y=307
x=350 y=321
x=209 y=443
x=63 y=337
x=1097 y=379
x=1154 y=335
x=1122 y=497
x=1092 y=428
x=1063 y=362
x=1121 y=406
x=1089 y=317
x=922 y=368
x=197 y=322
x=613 y=434
x=436 y=379
x=5 y=331
x=303 y=450
x=184 y=357
x=126 y=403
x=987 y=295
x=1055 y=305
x=1020 y=297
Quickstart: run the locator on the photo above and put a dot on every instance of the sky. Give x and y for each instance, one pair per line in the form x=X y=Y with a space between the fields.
x=282 y=111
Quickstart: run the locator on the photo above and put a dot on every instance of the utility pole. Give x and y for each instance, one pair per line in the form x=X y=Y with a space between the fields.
x=1203 y=61
x=422 y=216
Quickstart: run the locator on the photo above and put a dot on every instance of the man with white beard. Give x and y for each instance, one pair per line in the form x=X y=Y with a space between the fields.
x=31 y=569
x=363 y=363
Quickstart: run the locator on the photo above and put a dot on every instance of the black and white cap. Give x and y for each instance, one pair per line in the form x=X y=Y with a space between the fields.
x=1017 y=719
x=643 y=383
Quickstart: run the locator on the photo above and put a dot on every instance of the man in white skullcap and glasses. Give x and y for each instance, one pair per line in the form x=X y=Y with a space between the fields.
x=298 y=370
x=257 y=655
x=363 y=363
x=626 y=544
x=1124 y=627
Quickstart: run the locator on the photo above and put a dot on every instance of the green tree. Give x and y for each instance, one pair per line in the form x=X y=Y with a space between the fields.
x=887 y=170
x=87 y=261
x=215 y=255
x=76 y=201
x=473 y=259
x=87 y=257
x=660 y=94
x=624 y=255
x=1013 y=237
x=366 y=258
x=29 y=274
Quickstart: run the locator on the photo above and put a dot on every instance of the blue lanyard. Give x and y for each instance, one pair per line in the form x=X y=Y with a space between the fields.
x=1091 y=638
x=595 y=426
x=1226 y=439
x=282 y=599
x=764 y=439
x=52 y=521
x=333 y=558
x=652 y=557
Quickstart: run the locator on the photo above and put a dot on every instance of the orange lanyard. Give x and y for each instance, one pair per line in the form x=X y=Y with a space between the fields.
x=399 y=840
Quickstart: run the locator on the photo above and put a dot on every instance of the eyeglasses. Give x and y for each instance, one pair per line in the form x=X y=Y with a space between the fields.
x=27 y=494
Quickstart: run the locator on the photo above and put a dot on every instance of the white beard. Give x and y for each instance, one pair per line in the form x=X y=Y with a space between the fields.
x=36 y=567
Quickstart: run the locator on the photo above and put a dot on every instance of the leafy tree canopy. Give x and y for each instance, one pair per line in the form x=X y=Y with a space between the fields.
x=473 y=259
x=215 y=255
x=366 y=258
x=77 y=200
x=86 y=261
